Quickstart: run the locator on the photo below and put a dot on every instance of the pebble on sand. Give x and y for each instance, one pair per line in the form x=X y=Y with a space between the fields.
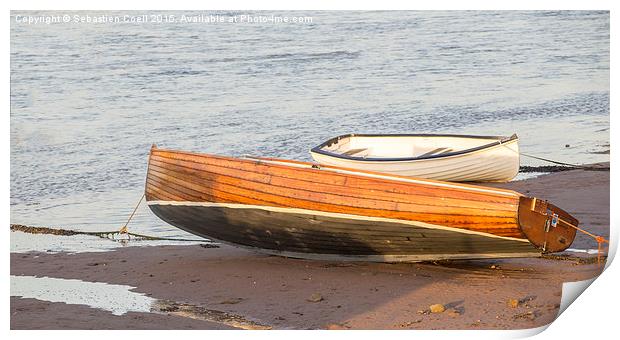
x=437 y=308
x=409 y=323
x=316 y=297
x=514 y=303
x=454 y=313
x=231 y=301
x=336 y=326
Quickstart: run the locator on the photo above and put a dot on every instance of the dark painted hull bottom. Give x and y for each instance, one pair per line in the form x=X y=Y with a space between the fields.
x=317 y=235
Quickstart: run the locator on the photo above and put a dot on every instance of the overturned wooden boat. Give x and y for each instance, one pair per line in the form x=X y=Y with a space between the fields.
x=304 y=210
x=456 y=158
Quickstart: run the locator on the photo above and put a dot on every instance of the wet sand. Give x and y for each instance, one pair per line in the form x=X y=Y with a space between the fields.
x=30 y=313
x=298 y=294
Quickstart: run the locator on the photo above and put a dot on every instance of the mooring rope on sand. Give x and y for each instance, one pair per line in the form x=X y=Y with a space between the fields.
x=563 y=166
x=568 y=165
x=103 y=234
x=600 y=240
x=124 y=229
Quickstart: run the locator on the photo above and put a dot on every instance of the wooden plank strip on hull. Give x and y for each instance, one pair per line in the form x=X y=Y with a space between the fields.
x=216 y=188
x=391 y=183
x=206 y=178
x=200 y=170
x=390 y=178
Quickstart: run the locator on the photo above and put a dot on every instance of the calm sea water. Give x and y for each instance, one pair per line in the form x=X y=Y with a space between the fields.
x=88 y=100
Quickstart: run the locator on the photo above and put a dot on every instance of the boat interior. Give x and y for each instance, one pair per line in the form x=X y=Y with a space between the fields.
x=404 y=146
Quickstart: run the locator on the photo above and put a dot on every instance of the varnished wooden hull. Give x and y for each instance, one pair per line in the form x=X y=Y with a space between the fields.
x=278 y=206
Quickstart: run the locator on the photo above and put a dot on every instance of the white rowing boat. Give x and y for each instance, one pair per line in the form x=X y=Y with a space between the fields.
x=456 y=158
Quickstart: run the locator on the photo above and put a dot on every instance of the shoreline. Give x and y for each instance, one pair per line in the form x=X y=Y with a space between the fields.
x=288 y=293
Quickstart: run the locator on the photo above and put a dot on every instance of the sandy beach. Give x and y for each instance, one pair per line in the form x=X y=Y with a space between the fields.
x=227 y=287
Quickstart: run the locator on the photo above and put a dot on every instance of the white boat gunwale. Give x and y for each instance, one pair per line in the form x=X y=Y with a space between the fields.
x=498 y=140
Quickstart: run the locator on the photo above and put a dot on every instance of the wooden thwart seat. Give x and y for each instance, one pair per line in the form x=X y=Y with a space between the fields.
x=354 y=151
x=436 y=152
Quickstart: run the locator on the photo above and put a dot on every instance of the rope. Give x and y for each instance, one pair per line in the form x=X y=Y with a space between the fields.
x=599 y=239
x=124 y=229
x=576 y=166
x=554 y=162
x=102 y=234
